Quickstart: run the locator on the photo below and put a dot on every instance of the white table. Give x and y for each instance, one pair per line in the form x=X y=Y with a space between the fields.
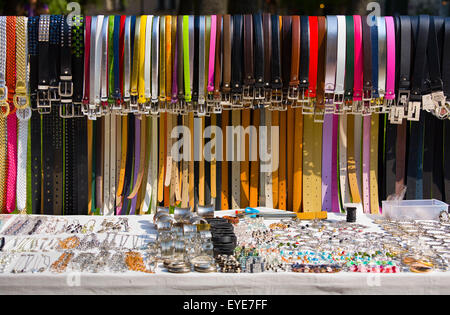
x=224 y=284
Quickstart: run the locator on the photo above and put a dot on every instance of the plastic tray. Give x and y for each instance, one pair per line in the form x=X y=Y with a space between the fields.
x=414 y=209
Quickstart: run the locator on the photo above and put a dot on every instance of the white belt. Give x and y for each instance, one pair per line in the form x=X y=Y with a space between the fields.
x=155 y=62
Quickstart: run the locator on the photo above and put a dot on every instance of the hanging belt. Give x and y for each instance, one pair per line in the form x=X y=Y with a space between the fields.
x=286 y=46
x=52 y=132
x=348 y=99
x=389 y=178
x=226 y=80
x=295 y=62
x=80 y=152
x=213 y=45
x=435 y=40
x=304 y=61
x=218 y=69
x=308 y=108
x=382 y=61
x=267 y=31
x=43 y=98
x=249 y=76
x=23 y=111
x=415 y=169
x=186 y=58
x=237 y=61
x=259 y=65
x=328 y=159
x=374 y=121
x=134 y=90
x=312 y=137
x=155 y=65
x=276 y=71
x=366 y=113
x=339 y=103
x=201 y=99
x=446 y=89
x=35 y=124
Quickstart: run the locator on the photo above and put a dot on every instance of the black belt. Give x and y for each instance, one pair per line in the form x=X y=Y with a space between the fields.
x=52 y=131
x=367 y=68
x=420 y=28
x=276 y=75
x=287 y=55
x=446 y=88
x=237 y=57
x=259 y=58
x=35 y=123
x=304 y=55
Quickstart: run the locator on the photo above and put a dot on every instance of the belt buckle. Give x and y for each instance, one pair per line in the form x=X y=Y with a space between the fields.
x=23 y=114
x=338 y=100
x=200 y=106
x=413 y=110
x=226 y=100
x=258 y=92
x=318 y=115
x=329 y=103
x=396 y=114
x=20 y=100
x=210 y=99
x=356 y=107
x=3 y=93
x=77 y=109
x=367 y=101
x=154 y=107
x=4 y=105
x=293 y=94
x=439 y=100
x=387 y=105
x=65 y=88
x=236 y=100
x=53 y=94
x=43 y=106
x=118 y=103
x=308 y=108
x=162 y=104
x=248 y=94
x=276 y=98
x=66 y=109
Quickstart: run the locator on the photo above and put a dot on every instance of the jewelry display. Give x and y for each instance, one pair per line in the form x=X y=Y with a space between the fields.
x=60 y=265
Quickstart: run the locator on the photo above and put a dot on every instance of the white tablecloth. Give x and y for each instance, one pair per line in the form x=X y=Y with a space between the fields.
x=222 y=284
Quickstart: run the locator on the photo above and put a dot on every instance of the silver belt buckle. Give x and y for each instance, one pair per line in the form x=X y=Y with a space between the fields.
x=439 y=100
x=248 y=94
x=413 y=110
x=77 y=109
x=308 y=108
x=226 y=101
x=53 y=94
x=276 y=99
x=201 y=110
x=318 y=115
x=293 y=94
x=329 y=105
x=43 y=103
x=387 y=104
x=154 y=107
x=367 y=102
x=236 y=100
x=68 y=112
x=258 y=93
x=267 y=98
x=65 y=88
x=397 y=114
x=338 y=100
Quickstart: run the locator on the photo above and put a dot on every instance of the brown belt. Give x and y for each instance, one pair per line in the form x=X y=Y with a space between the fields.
x=320 y=106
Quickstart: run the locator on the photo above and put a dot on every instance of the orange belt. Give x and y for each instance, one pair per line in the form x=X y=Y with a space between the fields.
x=282 y=170
x=290 y=134
x=298 y=161
x=254 y=164
x=275 y=174
x=224 y=199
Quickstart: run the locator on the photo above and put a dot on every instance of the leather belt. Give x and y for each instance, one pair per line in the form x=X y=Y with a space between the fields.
x=295 y=62
x=276 y=71
x=320 y=104
x=259 y=60
x=249 y=73
x=286 y=46
x=308 y=108
x=237 y=60
x=329 y=182
x=267 y=31
x=446 y=89
x=304 y=60
x=35 y=124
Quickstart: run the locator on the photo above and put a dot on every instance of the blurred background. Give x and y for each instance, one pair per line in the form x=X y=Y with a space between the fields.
x=307 y=7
